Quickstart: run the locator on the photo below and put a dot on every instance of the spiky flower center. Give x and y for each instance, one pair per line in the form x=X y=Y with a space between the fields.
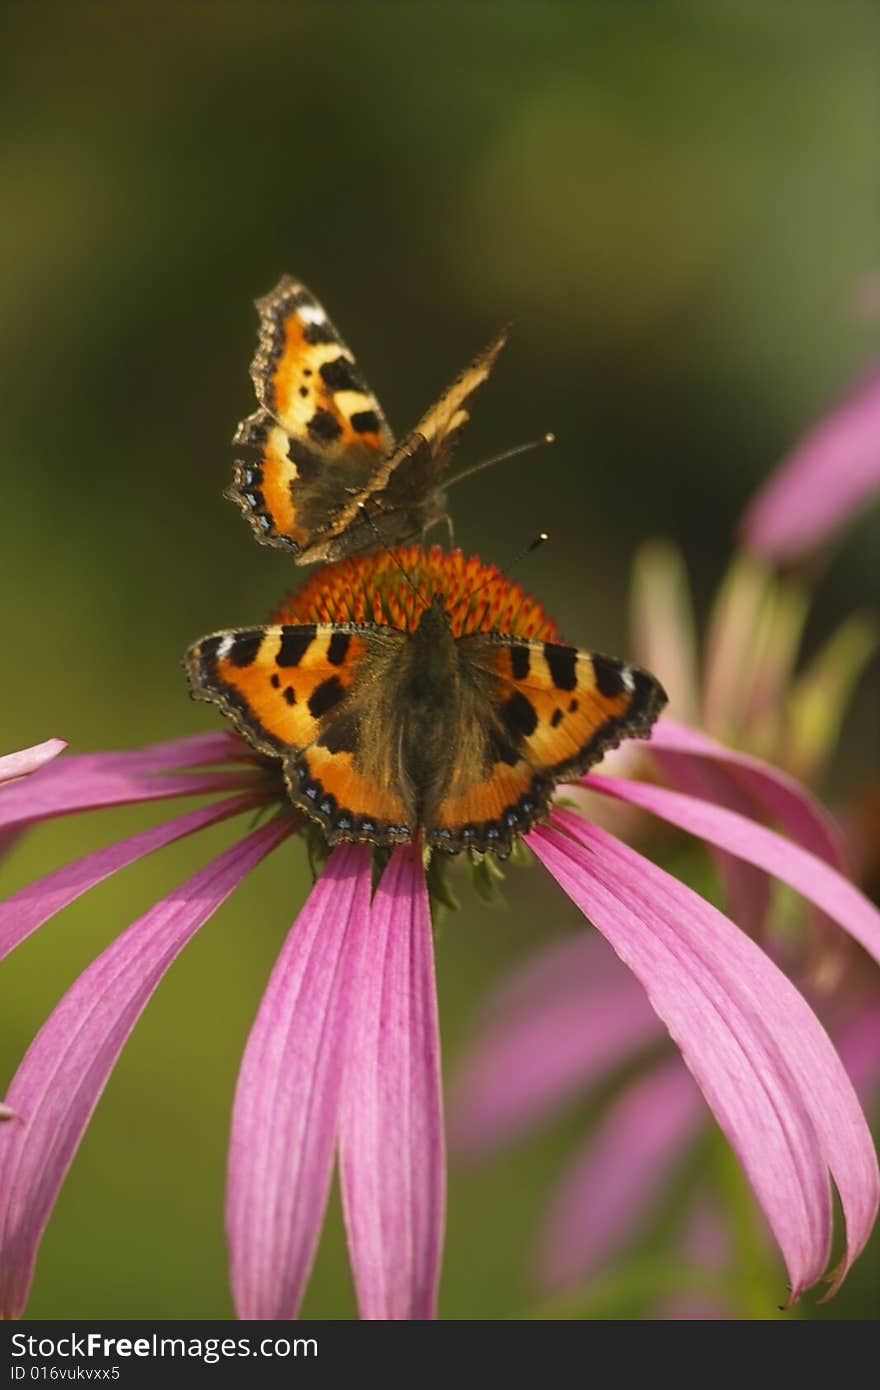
x=394 y=588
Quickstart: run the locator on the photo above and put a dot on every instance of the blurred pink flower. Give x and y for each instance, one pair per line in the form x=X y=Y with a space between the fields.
x=540 y=1044
x=558 y=1028
x=831 y=474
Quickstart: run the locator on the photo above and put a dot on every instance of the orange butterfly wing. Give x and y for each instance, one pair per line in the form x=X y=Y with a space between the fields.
x=553 y=711
x=320 y=431
x=306 y=694
x=328 y=480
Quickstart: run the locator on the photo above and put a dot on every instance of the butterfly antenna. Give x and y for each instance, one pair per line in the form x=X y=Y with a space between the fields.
x=390 y=553
x=502 y=458
x=536 y=541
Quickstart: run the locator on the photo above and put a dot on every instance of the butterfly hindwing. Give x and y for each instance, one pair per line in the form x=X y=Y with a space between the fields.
x=320 y=432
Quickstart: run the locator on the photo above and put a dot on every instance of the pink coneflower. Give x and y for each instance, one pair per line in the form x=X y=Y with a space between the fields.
x=539 y=1046
x=343 y=1057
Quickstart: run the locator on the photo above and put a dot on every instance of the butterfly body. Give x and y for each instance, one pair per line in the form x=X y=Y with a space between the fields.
x=329 y=480
x=385 y=732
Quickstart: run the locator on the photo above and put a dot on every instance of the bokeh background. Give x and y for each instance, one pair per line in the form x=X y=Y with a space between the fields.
x=675 y=204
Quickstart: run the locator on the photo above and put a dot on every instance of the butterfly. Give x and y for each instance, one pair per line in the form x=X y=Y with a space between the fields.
x=330 y=481
x=384 y=733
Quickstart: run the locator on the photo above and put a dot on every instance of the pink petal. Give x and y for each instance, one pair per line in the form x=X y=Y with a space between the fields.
x=761 y=1058
x=746 y=889
x=284 y=1123
x=88 y=781
x=193 y=750
x=829 y=476
x=802 y=871
x=558 y=1025
x=619 y=1178
x=391 y=1152
x=780 y=795
x=34 y=904
x=29 y=759
x=67 y=1066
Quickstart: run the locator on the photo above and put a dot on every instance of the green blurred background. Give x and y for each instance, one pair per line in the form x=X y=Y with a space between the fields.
x=674 y=204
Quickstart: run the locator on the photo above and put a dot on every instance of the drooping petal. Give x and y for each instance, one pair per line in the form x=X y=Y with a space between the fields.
x=758 y=1053
x=558 y=1025
x=804 y=872
x=780 y=795
x=391 y=1151
x=34 y=904
x=827 y=478
x=285 y=1119
x=67 y=1066
x=621 y=1174
x=29 y=759
x=746 y=889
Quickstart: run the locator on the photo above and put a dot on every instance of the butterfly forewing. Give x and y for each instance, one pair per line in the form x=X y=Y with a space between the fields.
x=320 y=432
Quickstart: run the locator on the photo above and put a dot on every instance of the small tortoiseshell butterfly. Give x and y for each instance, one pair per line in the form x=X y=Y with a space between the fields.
x=330 y=480
x=423 y=721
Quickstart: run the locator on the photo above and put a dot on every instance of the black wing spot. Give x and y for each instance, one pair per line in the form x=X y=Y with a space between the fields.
x=324 y=427
x=315 y=333
x=338 y=647
x=206 y=651
x=562 y=662
x=245 y=646
x=573 y=706
x=341 y=375
x=275 y=680
x=295 y=642
x=519 y=715
x=325 y=696
x=519 y=662
x=607 y=671
x=365 y=422
x=556 y=718
x=290 y=694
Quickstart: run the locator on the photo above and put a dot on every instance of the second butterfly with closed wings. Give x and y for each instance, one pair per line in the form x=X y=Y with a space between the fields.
x=330 y=481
